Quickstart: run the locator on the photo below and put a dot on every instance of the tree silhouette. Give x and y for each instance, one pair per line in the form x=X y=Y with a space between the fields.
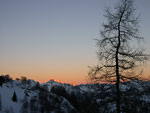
x=0 y=103
x=14 y=97
x=118 y=55
x=1 y=81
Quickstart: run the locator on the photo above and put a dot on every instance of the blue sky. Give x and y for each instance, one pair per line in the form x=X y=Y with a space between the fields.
x=54 y=38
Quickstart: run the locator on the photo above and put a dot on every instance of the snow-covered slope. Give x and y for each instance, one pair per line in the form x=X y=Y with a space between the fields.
x=29 y=94
x=6 y=92
x=55 y=97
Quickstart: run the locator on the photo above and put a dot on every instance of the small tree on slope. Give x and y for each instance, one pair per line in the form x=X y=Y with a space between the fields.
x=0 y=103
x=14 y=97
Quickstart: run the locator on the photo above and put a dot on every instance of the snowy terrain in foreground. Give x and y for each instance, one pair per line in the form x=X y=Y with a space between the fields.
x=55 y=97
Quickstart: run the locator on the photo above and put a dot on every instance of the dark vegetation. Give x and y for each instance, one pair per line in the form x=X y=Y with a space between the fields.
x=14 y=97
x=103 y=99
x=0 y=103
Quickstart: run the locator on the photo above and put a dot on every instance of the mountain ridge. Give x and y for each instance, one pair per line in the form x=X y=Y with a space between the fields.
x=55 y=97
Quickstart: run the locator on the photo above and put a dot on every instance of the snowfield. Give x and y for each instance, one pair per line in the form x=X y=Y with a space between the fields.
x=55 y=97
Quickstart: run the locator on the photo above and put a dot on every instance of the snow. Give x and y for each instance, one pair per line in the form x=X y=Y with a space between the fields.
x=123 y=87
x=6 y=92
x=24 y=92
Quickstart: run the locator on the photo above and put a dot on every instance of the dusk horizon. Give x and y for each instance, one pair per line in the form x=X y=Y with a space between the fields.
x=45 y=40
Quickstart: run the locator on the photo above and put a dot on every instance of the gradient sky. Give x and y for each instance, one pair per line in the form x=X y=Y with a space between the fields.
x=43 y=39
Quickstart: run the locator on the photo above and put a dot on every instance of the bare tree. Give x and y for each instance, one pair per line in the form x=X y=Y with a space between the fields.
x=118 y=55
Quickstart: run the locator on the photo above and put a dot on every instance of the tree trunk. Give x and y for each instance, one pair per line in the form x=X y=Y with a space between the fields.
x=117 y=83
x=118 y=94
x=117 y=68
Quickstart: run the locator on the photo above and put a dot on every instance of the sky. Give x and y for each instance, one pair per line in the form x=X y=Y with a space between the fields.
x=44 y=39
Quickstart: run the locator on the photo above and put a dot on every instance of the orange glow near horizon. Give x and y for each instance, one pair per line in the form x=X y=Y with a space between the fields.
x=73 y=78
x=73 y=72
x=66 y=70
x=71 y=83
